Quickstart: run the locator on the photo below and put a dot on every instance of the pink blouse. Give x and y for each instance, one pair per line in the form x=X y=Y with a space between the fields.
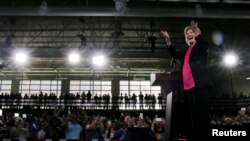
x=188 y=80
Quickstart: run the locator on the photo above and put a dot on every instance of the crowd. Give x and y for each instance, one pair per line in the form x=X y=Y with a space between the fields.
x=89 y=100
x=77 y=125
x=242 y=117
x=108 y=101
x=73 y=123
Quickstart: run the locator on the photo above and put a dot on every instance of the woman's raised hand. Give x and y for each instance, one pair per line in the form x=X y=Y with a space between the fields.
x=195 y=27
x=165 y=34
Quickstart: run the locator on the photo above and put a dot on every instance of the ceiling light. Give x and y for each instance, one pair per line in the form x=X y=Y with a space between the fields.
x=21 y=57
x=74 y=58
x=99 y=60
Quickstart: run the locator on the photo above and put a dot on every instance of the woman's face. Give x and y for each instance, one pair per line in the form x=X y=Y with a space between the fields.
x=190 y=37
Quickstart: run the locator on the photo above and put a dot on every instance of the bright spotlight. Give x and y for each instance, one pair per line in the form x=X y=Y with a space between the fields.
x=99 y=60
x=21 y=57
x=74 y=58
x=230 y=59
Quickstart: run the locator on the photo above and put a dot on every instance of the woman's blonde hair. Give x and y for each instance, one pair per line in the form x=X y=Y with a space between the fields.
x=188 y=28
x=185 y=31
x=193 y=28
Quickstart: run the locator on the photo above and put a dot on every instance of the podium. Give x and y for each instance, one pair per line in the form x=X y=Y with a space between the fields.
x=170 y=83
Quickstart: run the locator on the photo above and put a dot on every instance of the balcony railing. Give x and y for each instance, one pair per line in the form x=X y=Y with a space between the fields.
x=111 y=104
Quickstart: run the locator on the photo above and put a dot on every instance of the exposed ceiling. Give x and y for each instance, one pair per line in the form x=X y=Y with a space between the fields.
x=50 y=30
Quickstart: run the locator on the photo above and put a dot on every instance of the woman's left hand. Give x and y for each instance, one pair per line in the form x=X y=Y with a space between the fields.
x=195 y=28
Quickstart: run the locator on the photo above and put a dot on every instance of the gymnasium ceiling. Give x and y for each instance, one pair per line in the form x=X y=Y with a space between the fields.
x=50 y=29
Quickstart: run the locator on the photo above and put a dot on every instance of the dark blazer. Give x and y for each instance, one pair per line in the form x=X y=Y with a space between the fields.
x=197 y=61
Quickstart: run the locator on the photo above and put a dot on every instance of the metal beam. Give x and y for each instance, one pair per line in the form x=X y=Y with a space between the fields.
x=177 y=12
